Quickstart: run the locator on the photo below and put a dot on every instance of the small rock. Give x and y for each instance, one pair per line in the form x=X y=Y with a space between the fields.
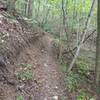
x=42 y=50
x=55 y=97
x=45 y=98
x=0 y=21
x=45 y=65
x=21 y=86
x=56 y=87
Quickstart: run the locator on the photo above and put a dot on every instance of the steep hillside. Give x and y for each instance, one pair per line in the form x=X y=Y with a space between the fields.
x=28 y=70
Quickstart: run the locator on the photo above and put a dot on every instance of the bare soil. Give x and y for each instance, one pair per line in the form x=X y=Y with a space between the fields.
x=47 y=81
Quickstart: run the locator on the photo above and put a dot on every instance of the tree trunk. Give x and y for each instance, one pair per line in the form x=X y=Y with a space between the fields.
x=62 y=34
x=83 y=37
x=11 y=5
x=97 y=69
x=30 y=8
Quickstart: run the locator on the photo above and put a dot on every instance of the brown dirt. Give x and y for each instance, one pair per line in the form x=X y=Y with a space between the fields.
x=47 y=82
x=47 y=74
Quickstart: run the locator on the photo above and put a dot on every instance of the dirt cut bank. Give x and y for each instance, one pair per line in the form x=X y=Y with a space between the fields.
x=27 y=68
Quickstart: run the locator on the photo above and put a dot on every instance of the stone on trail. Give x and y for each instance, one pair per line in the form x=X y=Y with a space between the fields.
x=55 y=97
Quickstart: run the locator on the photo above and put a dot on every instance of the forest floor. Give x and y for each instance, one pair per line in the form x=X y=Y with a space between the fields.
x=33 y=70
x=47 y=74
x=35 y=74
x=47 y=82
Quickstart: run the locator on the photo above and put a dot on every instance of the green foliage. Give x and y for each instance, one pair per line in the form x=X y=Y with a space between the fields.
x=25 y=73
x=23 y=65
x=20 y=5
x=83 y=67
x=72 y=82
x=79 y=6
x=78 y=76
x=47 y=27
x=63 y=66
x=74 y=10
x=85 y=96
x=98 y=89
x=54 y=2
x=19 y=97
x=82 y=96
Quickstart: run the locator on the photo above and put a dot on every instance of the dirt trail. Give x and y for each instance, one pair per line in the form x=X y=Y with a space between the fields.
x=53 y=84
x=49 y=78
x=47 y=82
x=35 y=49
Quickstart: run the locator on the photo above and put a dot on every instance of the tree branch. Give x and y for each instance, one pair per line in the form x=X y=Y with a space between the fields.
x=83 y=37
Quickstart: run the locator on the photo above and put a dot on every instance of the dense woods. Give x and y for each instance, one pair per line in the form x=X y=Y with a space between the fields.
x=73 y=29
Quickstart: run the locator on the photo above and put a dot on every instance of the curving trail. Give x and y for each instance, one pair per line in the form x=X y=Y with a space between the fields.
x=53 y=84
x=48 y=81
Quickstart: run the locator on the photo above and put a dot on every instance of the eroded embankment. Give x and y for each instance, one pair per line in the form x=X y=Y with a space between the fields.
x=32 y=74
